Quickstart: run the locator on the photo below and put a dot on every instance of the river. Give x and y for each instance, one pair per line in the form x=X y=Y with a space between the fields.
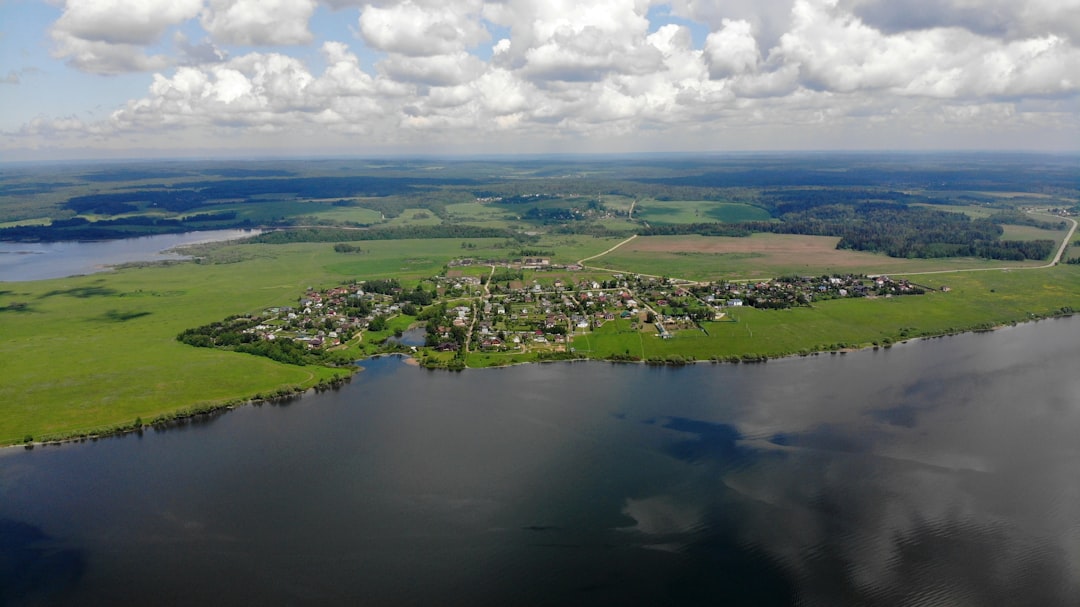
x=941 y=472
x=40 y=260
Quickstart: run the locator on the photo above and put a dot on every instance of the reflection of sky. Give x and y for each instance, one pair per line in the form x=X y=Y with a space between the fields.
x=926 y=474
x=949 y=479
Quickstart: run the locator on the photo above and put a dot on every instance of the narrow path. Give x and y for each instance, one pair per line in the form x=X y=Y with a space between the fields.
x=1064 y=243
x=581 y=262
x=1057 y=258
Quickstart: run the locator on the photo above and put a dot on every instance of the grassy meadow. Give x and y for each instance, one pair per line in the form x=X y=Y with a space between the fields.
x=96 y=351
x=93 y=353
x=975 y=299
x=696 y=211
x=769 y=255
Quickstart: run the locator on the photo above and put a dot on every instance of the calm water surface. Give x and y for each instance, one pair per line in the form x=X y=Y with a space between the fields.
x=40 y=260
x=935 y=473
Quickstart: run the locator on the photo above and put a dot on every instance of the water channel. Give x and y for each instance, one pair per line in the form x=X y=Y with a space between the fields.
x=934 y=473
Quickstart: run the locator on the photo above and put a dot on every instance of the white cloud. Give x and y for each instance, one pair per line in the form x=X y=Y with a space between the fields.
x=107 y=36
x=415 y=30
x=134 y=22
x=807 y=72
x=437 y=70
x=836 y=51
x=565 y=40
x=196 y=54
x=100 y=57
x=995 y=18
x=732 y=50
x=258 y=22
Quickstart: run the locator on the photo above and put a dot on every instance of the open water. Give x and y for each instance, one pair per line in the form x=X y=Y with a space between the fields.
x=934 y=473
x=21 y=261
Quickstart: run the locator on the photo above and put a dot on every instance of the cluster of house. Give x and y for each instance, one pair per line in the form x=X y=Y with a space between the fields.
x=546 y=316
x=802 y=290
x=327 y=318
x=519 y=263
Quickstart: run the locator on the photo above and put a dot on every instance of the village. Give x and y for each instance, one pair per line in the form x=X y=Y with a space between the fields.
x=532 y=306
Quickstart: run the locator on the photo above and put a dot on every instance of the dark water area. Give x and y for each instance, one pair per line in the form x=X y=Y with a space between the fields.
x=412 y=337
x=21 y=261
x=934 y=473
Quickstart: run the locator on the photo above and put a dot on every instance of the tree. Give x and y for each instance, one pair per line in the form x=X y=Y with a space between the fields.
x=377 y=324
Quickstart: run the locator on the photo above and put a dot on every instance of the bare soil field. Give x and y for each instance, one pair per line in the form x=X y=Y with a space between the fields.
x=762 y=255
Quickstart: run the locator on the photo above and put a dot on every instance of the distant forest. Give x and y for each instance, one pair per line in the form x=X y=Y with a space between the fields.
x=882 y=203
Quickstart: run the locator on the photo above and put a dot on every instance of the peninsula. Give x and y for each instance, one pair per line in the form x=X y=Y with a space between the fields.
x=483 y=264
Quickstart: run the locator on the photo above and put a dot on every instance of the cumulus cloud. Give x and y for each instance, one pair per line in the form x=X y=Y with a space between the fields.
x=100 y=57
x=769 y=19
x=571 y=70
x=108 y=36
x=259 y=90
x=437 y=70
x=134 y=22
x=836 y=51
x=415 y=30
x=259 y=22
x=732 y=50
x=196 y=54
x=995 y=18
x=564 y=40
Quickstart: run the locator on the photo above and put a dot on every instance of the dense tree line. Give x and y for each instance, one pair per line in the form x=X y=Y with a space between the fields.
x=230 y=334
x=392 y=287
x=78 y=228
x=908 y=231
x=894 y=229
x=322 y=187
x=400 y=233
x=383 y=286
x=1018 y=218
x=507 y=274
x=704 y=229
x=177 y=201
x=552 y=214
x=341 y=247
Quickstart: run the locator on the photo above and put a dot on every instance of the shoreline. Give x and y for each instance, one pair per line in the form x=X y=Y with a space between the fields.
x=185 y=416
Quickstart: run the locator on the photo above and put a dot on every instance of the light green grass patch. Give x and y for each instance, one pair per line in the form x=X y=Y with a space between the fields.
x=765 y=256
x=349 y=215
x=39 y=221
x=972 y=211
x=414 y=217
x=669 y=212
x=1012 y=232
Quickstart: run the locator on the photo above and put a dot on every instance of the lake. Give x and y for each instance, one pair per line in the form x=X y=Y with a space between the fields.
x=21 y=261
x=933 y=473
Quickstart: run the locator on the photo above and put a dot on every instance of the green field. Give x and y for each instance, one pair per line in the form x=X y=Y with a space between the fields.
x=347 y=215
x=1012 y=232
x=669 y=212
x=475 y=213
x=94 y=353
x=975 y=298
x=91 y=352
x=769 y=255
x=414 y=217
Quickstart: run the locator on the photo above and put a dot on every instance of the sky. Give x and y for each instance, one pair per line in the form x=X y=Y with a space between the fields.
x=95 y=79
